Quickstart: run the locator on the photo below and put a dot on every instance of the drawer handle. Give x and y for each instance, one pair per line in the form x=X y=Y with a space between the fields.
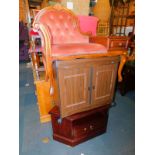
x=91 y=127
x=85 y=129
x=120 y=44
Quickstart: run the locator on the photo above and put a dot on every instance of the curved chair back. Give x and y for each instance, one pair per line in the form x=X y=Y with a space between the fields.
x=61 y=24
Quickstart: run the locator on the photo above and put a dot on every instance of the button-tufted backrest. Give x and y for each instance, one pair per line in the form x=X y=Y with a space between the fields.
x=63 y=26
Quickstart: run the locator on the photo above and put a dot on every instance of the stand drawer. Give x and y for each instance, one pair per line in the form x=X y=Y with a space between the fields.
x=90 y=125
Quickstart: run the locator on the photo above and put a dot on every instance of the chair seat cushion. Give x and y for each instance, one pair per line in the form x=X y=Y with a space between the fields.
x=77 y=49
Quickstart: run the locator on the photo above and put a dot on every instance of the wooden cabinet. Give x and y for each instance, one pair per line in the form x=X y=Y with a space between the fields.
x=85 y=84
x=80 y=127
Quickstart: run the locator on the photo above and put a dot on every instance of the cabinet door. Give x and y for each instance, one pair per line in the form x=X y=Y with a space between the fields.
x=103 y=83
x=74 y=92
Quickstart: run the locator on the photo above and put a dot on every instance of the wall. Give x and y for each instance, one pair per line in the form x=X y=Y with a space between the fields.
x=131 y=12
x=44 y=4
x=80 y=7
x=102 y=10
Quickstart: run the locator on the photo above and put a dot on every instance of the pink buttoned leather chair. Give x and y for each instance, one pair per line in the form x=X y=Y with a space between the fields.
x=63 y=31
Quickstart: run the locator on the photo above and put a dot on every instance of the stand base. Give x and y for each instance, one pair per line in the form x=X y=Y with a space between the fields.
x=75 y=129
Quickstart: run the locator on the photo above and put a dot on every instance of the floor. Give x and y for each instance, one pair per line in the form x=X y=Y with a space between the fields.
x=118 y=140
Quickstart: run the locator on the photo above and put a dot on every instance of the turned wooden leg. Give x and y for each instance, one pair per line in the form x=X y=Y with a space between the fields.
x=122 y=62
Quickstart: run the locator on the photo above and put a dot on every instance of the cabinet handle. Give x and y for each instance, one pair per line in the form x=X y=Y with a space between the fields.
x=89 y=88
x=91 y=127
x=59 y=121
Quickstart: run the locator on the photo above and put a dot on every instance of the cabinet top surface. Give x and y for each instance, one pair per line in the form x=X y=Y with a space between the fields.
x=88 y=61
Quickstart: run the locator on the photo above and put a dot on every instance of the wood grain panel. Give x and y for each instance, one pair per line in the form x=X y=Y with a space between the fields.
x=103 y=83
x=45 y=101
x=73 y=85
x=104 y=77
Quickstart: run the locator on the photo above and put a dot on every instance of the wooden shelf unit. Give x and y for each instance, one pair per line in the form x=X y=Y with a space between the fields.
x=120 y=17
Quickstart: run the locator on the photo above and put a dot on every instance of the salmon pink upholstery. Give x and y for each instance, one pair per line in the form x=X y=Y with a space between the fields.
x=88 y=24
x=80 y=48
x=63 y=27
x=64 y=34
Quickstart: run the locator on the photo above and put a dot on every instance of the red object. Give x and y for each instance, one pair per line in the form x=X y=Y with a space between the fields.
x=88 y=24
x=77 y=128
x=33 y=33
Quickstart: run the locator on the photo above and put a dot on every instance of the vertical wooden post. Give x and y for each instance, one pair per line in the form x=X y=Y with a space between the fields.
x=27 y=12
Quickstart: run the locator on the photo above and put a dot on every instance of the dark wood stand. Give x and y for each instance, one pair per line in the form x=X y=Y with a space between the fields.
x=80 y=127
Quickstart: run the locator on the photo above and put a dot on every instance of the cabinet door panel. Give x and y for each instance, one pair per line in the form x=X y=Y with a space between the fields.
x=104 y=77
x=73 y=83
